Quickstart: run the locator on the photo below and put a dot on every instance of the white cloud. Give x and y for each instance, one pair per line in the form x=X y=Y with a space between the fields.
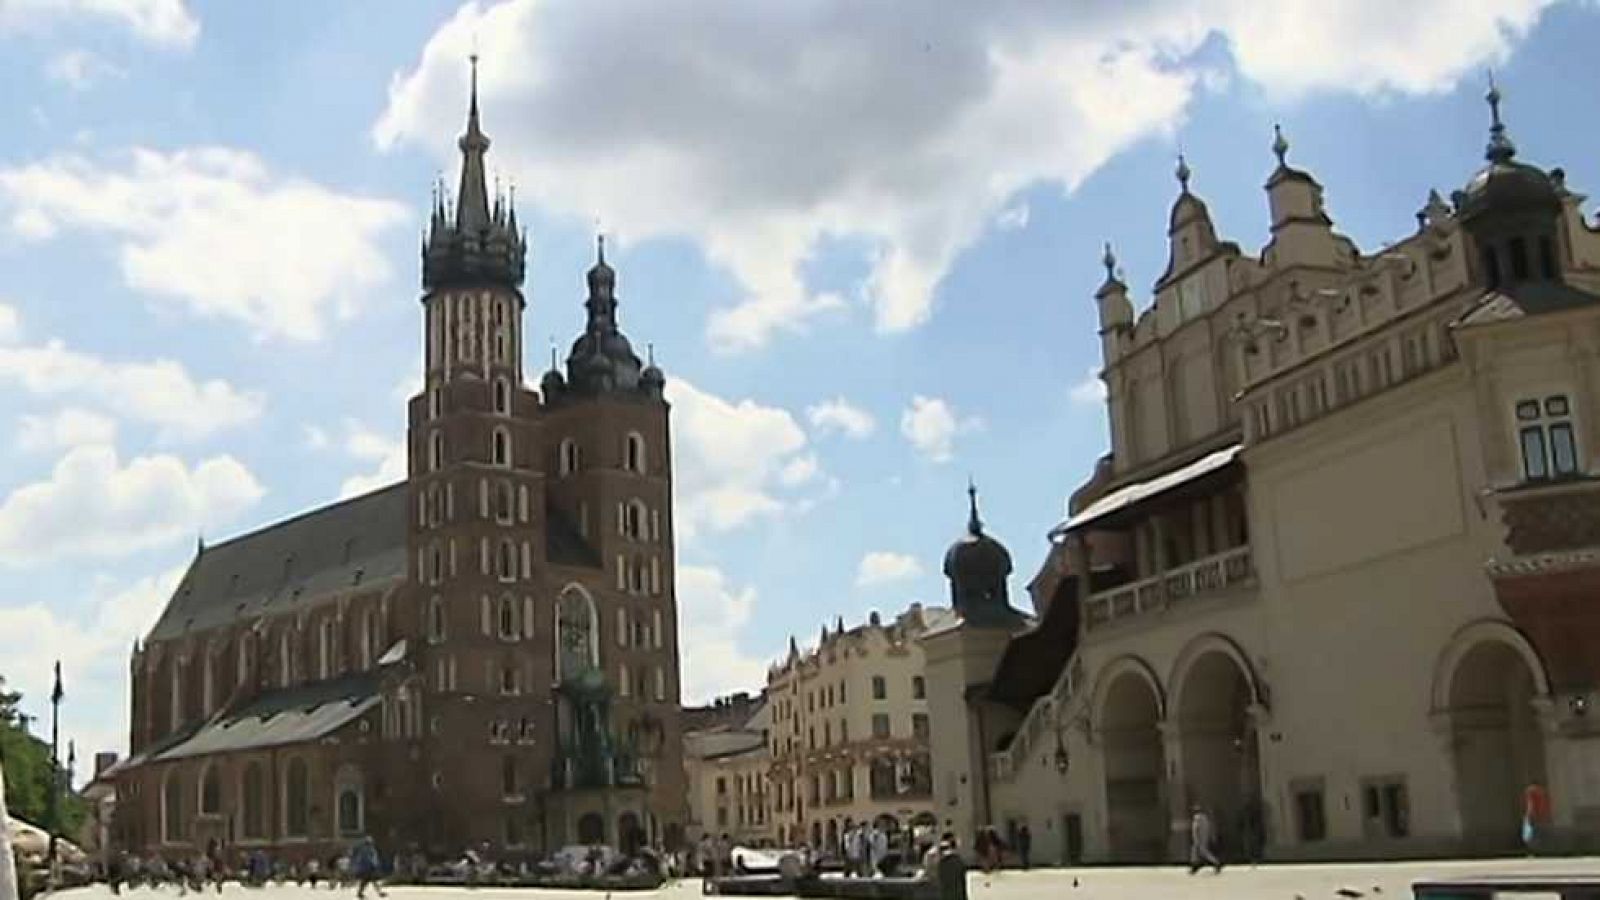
x=910 y=133
x=711 y=616
x=1090 y=391
x=386 y=456
x=840 y=415
x=316 y=437
x=882 y=567
x=93 y=506
x=93 y=651
x=931 y=425
x=732 y=460
x=215 y=230
x=10 y=324
x=167 y=22
x=1012 y=218
x=81 y=70
x=159 y=392
x=65 y=429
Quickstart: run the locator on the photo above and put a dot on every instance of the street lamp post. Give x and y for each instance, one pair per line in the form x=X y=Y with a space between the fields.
x=56 y=694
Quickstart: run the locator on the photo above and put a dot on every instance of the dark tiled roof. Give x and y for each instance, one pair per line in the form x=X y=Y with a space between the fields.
x=290 y=716
x=353 y=542
x=360 y=541
x=1532 y=298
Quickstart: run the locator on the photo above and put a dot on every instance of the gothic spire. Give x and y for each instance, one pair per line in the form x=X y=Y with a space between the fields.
x=472 y=200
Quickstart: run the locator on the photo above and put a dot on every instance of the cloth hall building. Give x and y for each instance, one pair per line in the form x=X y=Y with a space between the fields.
x=1335 y=582
x=483 y=654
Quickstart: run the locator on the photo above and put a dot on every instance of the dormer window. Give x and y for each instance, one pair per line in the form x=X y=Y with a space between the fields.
x=1546 y=437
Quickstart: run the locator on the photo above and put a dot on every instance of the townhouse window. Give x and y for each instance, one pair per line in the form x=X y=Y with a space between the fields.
x=1547 y=439
x=1311 y=820
x=919 y=688
x=880 y=688
x=1385 y=808
x=919 y=726
x=880 y=725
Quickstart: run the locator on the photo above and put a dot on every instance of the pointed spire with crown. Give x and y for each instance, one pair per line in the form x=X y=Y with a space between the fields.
x=602 y=360
x=479 y=244
x=977 y=567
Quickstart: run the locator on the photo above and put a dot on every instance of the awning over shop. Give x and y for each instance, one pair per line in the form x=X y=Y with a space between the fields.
x=1128 y=495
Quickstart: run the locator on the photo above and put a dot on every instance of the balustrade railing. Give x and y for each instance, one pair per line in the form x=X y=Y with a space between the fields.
x=1221 y=571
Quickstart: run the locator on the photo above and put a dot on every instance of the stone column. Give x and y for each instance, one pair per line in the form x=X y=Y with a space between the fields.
x=8 y=864
x=1175 y=789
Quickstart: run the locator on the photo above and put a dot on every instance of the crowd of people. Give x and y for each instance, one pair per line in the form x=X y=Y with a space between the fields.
x=361 y=867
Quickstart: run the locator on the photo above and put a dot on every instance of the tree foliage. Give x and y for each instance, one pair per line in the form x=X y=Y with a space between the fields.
x=27 y=766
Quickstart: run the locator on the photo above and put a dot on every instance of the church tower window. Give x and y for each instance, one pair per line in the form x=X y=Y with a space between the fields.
x=502 y=396
x=633 y=458
x=435 y=451
x=436 y=622
x=502 y=447
x=569 y=459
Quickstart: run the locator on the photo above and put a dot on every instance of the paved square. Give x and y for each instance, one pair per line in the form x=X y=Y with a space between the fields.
x=1275 y=882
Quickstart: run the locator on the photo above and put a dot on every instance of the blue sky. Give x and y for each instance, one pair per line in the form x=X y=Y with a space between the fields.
x=862 y=238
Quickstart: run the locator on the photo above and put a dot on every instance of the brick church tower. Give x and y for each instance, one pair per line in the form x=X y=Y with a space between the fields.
x=541 y=543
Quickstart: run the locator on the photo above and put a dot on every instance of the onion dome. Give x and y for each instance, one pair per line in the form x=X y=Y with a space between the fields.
x=602 y=360
x=552 y=384
x=977 y=566
x=1506 y=185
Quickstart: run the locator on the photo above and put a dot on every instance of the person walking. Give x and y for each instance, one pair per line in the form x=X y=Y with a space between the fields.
x=1024 y=845
x=1201 y=837
x=877 y=850
x=1535 y=816
x=364 y=860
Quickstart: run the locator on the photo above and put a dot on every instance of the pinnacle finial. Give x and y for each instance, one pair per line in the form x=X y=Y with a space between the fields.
x=473 y=59
x=650 y=353
x=553 y=361
x=1280 y=145
x=600 y=248
x=974 y=524
x=1500 y=148
x=1109 y=260
x=1183 y=172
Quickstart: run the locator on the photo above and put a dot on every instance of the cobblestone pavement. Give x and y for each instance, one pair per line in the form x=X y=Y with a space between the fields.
x=1271 y=882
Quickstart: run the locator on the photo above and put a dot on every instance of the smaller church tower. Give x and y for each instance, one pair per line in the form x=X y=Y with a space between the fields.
x=959 y=662
x=608 y=455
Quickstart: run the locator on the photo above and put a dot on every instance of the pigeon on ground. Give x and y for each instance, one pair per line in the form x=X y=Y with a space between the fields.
x=1349 y=892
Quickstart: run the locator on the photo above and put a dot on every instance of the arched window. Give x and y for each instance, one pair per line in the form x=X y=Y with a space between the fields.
x=210 y=791
x=250 y=801
x=635 y=516
x=296 y=799
x=633 y=458
x=436 y=622
x=1547 y=258
x=349 y=803
x=172 y=808
x=503 y=510
x=502 y=396
x=285 y=664
x=1519 y=259
x=569 y=459
x=508 y=618
x=1491 y=268
x=435 y=450
x=502 y=447
x=367 y=636
x=577 y=647
x=508 y=561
